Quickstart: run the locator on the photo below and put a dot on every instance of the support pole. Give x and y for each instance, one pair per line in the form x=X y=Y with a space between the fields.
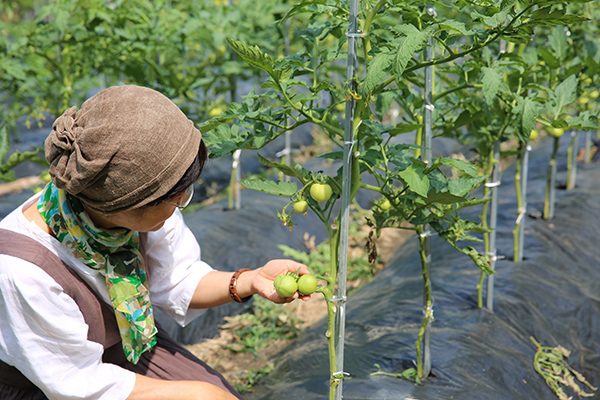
x=494 y=213
x=588 y=147
x=521 y=218
x=345 y=206
x=572 y=161
x=493 y=223
x=427 y=156
x=288 y=134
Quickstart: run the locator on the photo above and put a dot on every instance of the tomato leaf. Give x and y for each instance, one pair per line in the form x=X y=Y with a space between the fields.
x=564 y=94
x=527 y=110
x=252 y=55
x=462 y=185
x=277 y=188
x=412 y=41
x=479 y=259
x=377 y=69
x=296 y=171
x=415 y=179
x=443 y=198
x=492 y=80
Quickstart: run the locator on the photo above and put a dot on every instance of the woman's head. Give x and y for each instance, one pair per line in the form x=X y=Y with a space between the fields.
x=127 y=147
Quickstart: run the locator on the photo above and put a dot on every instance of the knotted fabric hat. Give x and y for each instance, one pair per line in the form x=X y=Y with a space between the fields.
x=126 y=146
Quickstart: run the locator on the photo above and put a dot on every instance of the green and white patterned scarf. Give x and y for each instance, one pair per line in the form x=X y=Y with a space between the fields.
x=115 y=254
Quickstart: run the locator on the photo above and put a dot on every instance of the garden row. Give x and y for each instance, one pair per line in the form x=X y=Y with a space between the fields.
x=488 y=74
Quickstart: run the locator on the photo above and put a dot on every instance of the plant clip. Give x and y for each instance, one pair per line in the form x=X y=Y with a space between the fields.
x=522 y=212
x=338 y=376
x=528 y=147
x=430 y=107
x=494 y=257
x=358 y=34
x=431 y=11
x=428 y=311
x=337 y=298
x=427 y=233
x=286 y=152
x=492 y=184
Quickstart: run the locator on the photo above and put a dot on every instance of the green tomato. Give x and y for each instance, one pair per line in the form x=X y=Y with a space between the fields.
x=594 y=95
x=286 y=286
x=385 y=205
x=307 y=284
x=301 y=206
x=583 y=100
x=321 y=192
x=277 y=279
x=556 y=132
x=533 y=134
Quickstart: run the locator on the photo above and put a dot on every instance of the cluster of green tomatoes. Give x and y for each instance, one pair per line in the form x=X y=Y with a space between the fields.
x=320 y=192
x=290 y=283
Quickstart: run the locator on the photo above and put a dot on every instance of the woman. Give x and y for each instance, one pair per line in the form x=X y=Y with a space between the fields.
x=83 y=263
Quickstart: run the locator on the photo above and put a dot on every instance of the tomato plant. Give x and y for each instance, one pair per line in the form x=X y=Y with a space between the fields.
x=485 y=94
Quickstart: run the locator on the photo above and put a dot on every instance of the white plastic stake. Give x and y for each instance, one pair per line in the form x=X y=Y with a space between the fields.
x=588 y=147
x=345 y=207
x=524 y=177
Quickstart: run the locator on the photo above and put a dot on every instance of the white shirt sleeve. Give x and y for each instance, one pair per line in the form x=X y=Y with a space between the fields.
x=174 y=269
x=44 y=335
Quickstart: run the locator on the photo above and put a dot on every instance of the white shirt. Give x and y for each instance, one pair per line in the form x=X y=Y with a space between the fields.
x=42 y=330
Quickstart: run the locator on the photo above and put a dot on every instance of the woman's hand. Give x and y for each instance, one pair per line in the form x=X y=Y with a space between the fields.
x=213 y=288
x=262 y=283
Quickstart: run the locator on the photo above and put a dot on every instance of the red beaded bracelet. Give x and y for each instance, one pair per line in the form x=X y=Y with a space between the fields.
x=233 y=286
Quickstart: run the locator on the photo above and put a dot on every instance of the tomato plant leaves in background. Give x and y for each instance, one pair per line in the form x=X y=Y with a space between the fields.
x=527 y=111
x=492 y=80
x=296 y=171
x=377 y=69
x=276 y=188
x=411 y=40
x=564 y=94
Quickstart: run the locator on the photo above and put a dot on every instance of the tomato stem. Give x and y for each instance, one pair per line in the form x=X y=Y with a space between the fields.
x=423 y=350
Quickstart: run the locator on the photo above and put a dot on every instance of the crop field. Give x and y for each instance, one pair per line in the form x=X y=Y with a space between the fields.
x=457 y=137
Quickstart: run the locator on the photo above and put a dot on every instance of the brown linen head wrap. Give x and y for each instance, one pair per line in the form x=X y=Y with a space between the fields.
x=125 y=147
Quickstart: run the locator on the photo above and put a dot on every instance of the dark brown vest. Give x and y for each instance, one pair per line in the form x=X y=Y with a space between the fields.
x=97 y=314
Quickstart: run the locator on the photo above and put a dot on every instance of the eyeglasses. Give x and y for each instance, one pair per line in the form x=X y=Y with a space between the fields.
x=186 y=198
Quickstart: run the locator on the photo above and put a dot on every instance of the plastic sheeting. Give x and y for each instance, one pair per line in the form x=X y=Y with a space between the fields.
x=553 y=295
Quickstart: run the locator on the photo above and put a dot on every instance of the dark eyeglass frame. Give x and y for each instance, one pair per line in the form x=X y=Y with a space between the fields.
x=187 y=195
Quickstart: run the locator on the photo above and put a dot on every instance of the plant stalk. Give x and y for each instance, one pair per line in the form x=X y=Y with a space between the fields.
x=484 y=222
x=422 y=343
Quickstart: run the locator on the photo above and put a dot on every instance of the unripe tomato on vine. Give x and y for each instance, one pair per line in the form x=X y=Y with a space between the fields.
x=301 y=206
x=556 y=132
x=321 y=192
x=533 y=134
